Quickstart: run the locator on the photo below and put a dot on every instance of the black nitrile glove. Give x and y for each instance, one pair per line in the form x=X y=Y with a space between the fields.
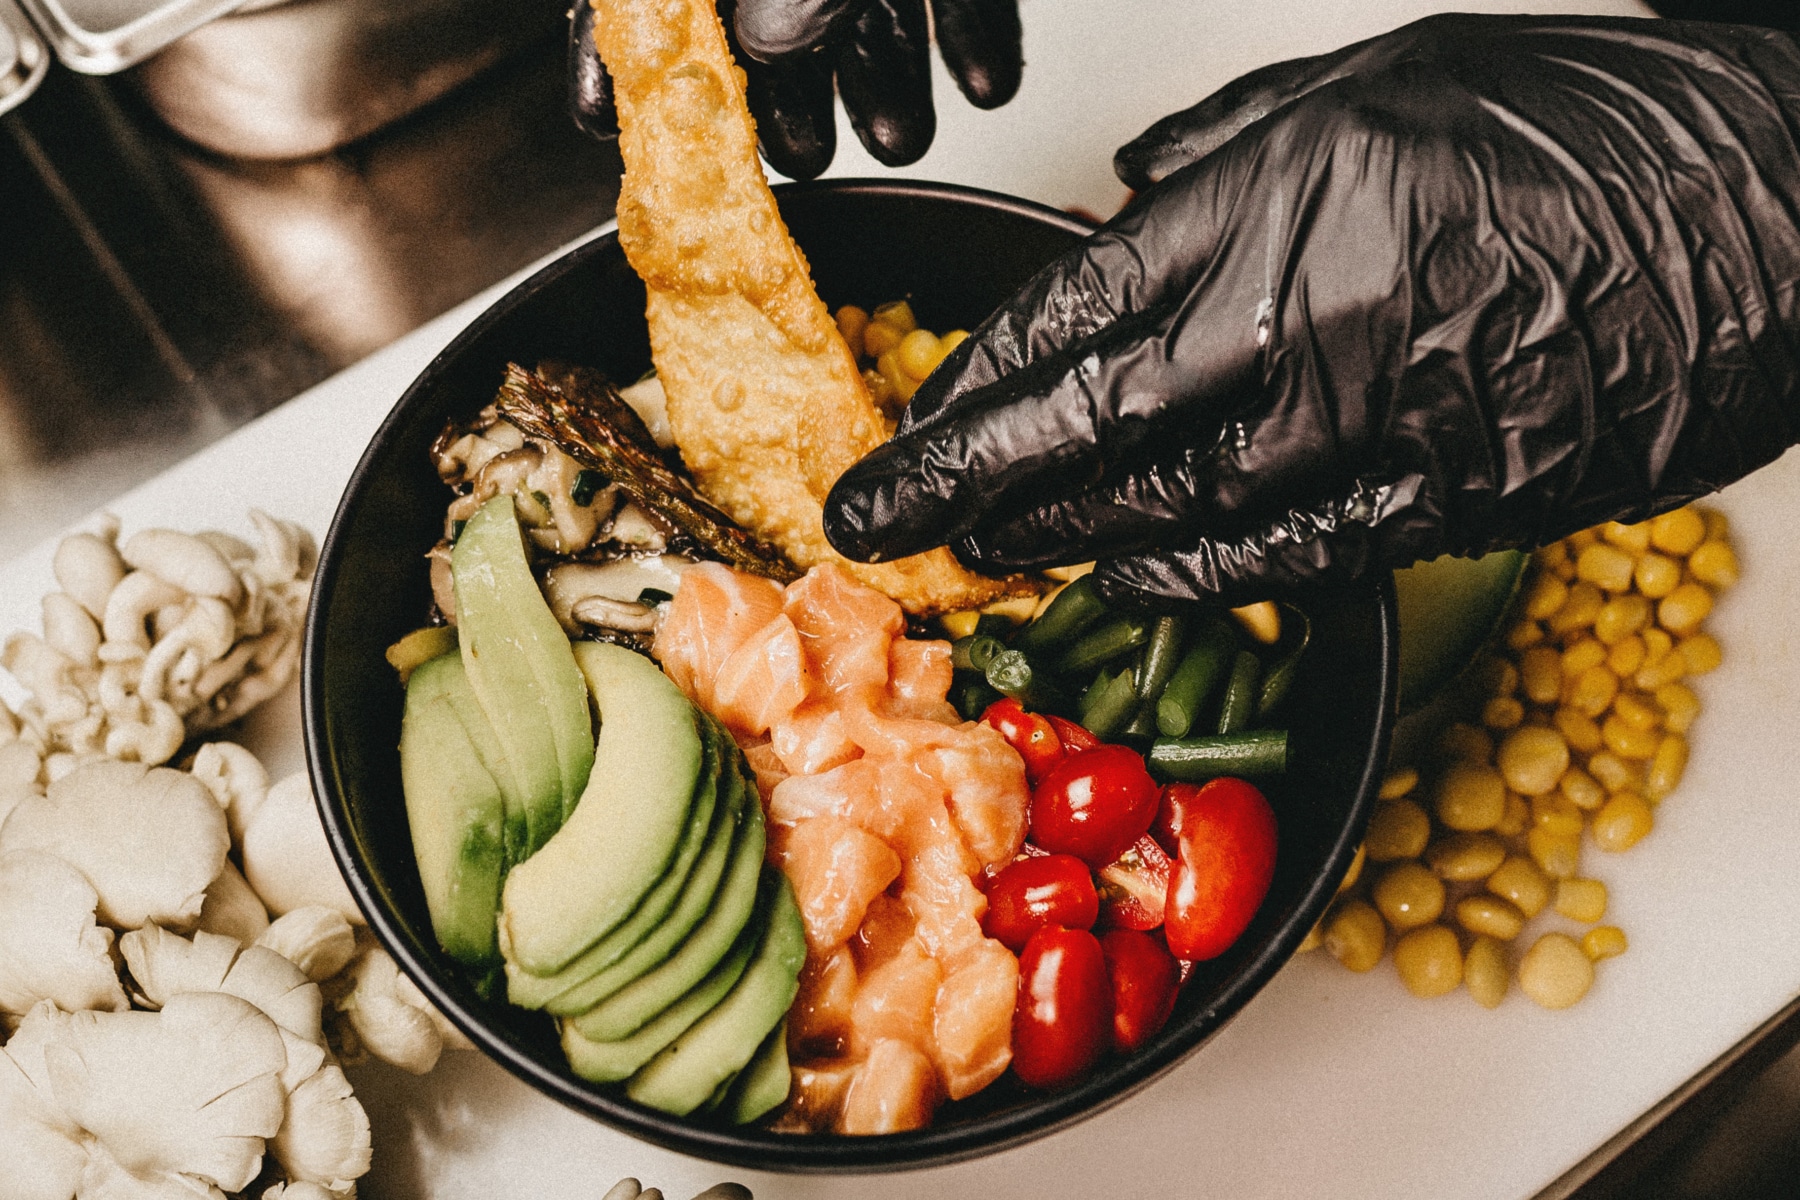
x=878 y=51
x=1477 y=283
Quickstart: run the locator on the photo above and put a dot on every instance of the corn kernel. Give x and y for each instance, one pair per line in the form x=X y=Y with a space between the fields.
x=879 y=337
x=1591 y=693
x=1545 y=596
x=1408 y=896
x=1718 y=528
x=1584 y=655
x=1581 y=731
x=1714 y=563
x=879 y=389
x=851 y=322
x=1517 y=816
x=897 y=314
x=1627 y=740
x=1490 y=916
x=1502 y=713
x=1681 y=611
x=903 y=385
x=1582 y=790
x=1555 y=972
x=918 y=353
x=1680 y=706
x=1396 y=784
x=1471 y=797
x=1533 y=759
x=1557 y=855
x=1621 y=617
x=1606 y=567
x=1667 y=765
x=1521 y=881
x=951 y=341
x=1555 y=813
x=1657 y=575
x=1580 y=540
x=1485 y=972
x=1465 y=857
x=1540 y=673
x=1397 y=829
x=1603 y=941
x=1522 y=634
x=1355 y=935
x=1701 y=653
x=1429 y=961
x=1355 y=870
x=1466 y=743
x=1581 y=900
x=1498 y=677
x=1656 y=672
x=1677 y=532
x=1637 y=710
x=1261 y=621
x=1613 y=772
x=1626 y=656
x=959 y=624
x=1633 y=539
x=1622 y=823
x=1554 y=558
x=1315 y=937
x=1579 y=610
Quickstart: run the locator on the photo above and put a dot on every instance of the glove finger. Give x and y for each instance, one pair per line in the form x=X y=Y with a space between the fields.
x=773 y=30
x=884 y=76
x=982 y=44
x=590 y=87
x=796 y=125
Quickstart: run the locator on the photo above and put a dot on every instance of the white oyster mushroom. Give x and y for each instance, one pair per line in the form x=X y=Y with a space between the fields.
x=236 y=779
x=105 y=1179
x=88 y=567
x=187 y=1095
x=316 y=939
x=232 y=907
x=69 y=628
x=165 y=965
x=149 y=839
x=43 y=1148
x=324 y=1139
x=391 y=1016
x=19 y=769
x=51 y=948
x=286 y=857
x=184 y=560
x=304 y=1191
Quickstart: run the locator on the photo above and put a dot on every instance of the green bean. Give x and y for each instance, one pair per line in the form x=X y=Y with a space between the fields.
x=1198 y=673
x=1102 y=678
x=1011 y=674
x=1075 y=608
x=971 y=695
x=1239 y=708
x=975 y=652
x=1161 y=656
x=1112 y=708
x=1280 y=680
x=994 y=625
x=1253 y=754
x=1115 y=638
x=1143 y=722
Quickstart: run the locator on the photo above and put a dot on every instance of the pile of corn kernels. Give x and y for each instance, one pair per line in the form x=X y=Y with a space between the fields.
x=1579 y=730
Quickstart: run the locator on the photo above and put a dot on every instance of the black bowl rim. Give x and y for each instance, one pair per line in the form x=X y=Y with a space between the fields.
x=751 y=1148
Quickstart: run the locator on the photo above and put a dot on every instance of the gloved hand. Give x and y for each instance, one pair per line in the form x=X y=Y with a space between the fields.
x=878 y=51
x=1476 y=283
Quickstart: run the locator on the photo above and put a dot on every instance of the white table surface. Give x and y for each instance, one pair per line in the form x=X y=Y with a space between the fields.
x=1328 y=1084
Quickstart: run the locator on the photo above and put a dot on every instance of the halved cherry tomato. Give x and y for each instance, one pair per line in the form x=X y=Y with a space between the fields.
x=1074 y=737
x=1145 y=978
x=1094 y=804
x=1171 y=813
x=1223 y=868
x=1063 y=1021
x=1135 y=886
x=1029 y=893
x=1030 y=734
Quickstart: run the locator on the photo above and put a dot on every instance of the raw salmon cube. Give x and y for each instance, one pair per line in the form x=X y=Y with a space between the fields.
x=837 y=792
x=819 y=1021
x=714 y=611
x=919 y=676
x=984 y=779
x=973 y=1025
x=895 y=1089
x=764 y=680
x=812 y=738
x=847 y=629
x=896 y=1000
x=768 y=767
x=836 y=869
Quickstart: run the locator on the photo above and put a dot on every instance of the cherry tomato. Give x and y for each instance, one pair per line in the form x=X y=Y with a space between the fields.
x=1135 y=886
x=1225 y=863
x=1094 y=804
x=1145 y=978
x=1171 y=811
x=1029 y=733
x=1029 y=893
x=1063 y=1021
x=1074 y=737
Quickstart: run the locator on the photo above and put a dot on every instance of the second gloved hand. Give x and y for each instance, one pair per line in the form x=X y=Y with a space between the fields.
x=1476 y=283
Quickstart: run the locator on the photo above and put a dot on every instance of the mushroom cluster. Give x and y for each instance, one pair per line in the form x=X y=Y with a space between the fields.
x=183 y=973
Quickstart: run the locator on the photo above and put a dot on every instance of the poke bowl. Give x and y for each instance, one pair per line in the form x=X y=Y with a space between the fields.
x=955 y=254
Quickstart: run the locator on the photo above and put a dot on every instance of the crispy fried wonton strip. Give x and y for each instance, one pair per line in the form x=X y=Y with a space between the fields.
x=764 y=397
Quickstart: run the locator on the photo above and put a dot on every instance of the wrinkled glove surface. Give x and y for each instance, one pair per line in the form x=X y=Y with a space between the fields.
x=1476 y=283
x=878 y=52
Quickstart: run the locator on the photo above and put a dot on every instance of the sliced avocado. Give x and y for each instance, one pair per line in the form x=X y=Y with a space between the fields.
x=764 y=1083
x=523 y=672
x=1449 y=608
x=451 y=680
x=606 y=1062
x=657 y=973
x=455 y=812
x=685 y=1072
x=718 y=1097
x=534 y=991
x=618 y=842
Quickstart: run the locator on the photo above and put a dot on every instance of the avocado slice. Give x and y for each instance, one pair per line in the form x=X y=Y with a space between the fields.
x=534 y=991
x=717 y=1046
x=1449 y=608
x=764 y=1083
x=619 y=840
x=658 y=972
x=451 y=680
x=454 y=811
x=522 y=670
x=608 y=1062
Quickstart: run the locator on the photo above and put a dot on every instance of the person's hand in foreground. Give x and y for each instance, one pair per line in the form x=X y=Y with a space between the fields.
x=1477 y=283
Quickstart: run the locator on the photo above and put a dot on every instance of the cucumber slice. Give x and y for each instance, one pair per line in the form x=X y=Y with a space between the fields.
x=717 y=1046
x=1449 y=608
x=763 y=1084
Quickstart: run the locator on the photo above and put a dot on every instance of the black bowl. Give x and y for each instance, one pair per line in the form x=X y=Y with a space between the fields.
x=957 y=253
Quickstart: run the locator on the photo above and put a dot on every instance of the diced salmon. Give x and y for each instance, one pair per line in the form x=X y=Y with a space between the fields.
x=813 y=738
x=898 y=738
x=714 y=611
x=896 y=1000
x=973 y=1023
x=847 y=629
x=894 y=1090
x=763 y=681
x=984 y=779
x=919 y=677
x=816 y=1097
x=836 y=869
x=819 y=1021
x=837 y=792
x=887 y=927
x=768 y=767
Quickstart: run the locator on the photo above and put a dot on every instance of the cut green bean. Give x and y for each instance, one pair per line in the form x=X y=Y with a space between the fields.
x=1254 y=754
x=1143 y=722
x=1111 y=640
x=975 y=652
x=1092 y=692
x=1239 y=707
x=1112 y=708
x=1280 y=680
x=994 y=625
x=1074 y=608
x=1161 y=656
x=1012 y=674
x=972 y=695
x=1198 y=674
